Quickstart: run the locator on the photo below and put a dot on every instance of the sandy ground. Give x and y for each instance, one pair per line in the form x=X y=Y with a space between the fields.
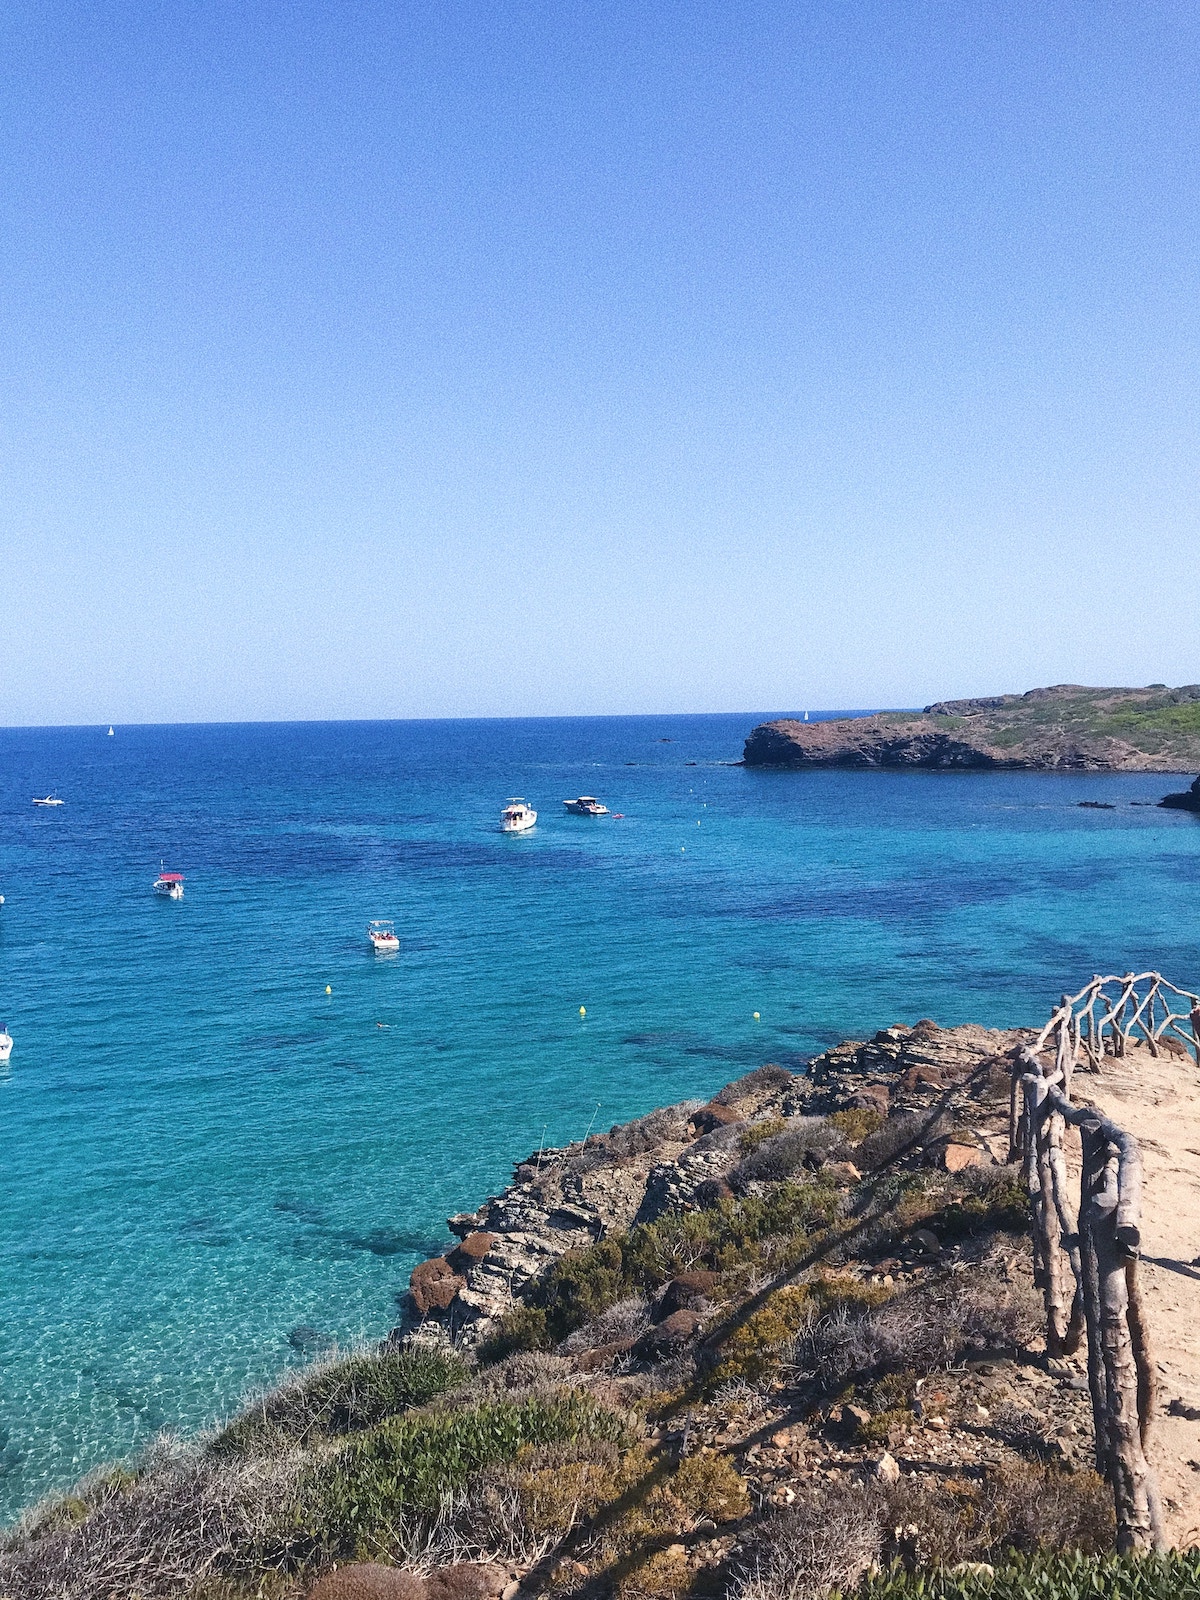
x=1158 y=1101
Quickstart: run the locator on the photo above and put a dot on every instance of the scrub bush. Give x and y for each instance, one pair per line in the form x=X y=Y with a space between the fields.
x=783 y=1154
x=857 y=1123
x=339 y=1396
x=350 y=1502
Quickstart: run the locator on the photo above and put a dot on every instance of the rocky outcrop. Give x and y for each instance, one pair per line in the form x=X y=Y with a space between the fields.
x=685 y=1158
x=1065 y=728
x=1189 y=800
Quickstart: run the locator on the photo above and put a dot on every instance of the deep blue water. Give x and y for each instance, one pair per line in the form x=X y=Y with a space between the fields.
x=201 y=1152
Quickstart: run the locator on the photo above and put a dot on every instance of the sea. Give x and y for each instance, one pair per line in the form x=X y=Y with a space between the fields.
x=229 y=1130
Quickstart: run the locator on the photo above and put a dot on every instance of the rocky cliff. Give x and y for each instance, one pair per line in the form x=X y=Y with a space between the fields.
x=1064 y=728
x=1189 y=800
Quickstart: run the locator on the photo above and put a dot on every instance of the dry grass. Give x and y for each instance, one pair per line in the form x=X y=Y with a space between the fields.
x=628 y=1319
x=784 y=1153
x=174 y=1526
x=922 y=1330
x=826 y=1541
x=759 y=1081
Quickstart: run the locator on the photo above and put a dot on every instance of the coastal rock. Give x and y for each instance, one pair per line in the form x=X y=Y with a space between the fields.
x=1189 y=800
x=1065 y=728
x=565 y=1199
x=674 y=1185
x=958 y=1157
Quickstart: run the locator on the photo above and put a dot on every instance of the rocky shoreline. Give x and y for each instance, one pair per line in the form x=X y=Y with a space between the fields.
x=679 y=1158
x=741 y=1349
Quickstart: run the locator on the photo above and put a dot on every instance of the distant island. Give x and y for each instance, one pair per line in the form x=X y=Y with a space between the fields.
x=1066 y=728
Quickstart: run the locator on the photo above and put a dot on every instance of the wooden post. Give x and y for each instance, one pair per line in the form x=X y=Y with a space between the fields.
x=1129 y=1471
x=1089 y=1278
x=1054 y=1289
x=1068 y=1222
x=1196 y=1032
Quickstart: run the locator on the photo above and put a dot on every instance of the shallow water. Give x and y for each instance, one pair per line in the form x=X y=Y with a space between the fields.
x=209 y=1167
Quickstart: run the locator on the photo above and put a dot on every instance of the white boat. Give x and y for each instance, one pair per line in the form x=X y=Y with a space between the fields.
x=110 y=732
x=382 y=935
x=169 y=884
x=6 y=1044
x=586 y=805
x=49 y=800
x=517 y=817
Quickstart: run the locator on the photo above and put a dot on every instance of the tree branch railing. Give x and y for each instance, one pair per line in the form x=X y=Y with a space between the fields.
x=1086 y=1256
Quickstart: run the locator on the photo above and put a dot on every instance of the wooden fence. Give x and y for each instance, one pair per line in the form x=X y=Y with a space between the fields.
x=1086 y=1252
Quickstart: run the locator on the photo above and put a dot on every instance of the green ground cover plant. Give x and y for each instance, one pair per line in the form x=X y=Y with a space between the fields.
x=350 y=1502
x=342 y=1395
x=1068 y=1577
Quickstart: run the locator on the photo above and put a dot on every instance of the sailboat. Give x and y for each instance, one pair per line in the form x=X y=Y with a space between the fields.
x=110 y=732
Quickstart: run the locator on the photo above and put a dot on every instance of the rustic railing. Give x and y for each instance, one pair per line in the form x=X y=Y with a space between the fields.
x=1086 y=1256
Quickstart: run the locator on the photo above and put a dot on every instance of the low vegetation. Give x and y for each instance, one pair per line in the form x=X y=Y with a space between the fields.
x=627 y=1432
x=766 y=1232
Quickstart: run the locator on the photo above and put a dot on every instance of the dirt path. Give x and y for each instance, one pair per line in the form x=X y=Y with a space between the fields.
x=1158 y=1101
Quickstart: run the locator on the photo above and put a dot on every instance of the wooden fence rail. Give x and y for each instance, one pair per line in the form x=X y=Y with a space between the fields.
x=1086 y=1254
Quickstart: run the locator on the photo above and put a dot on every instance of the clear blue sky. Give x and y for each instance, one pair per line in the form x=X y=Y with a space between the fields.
x=364 y=358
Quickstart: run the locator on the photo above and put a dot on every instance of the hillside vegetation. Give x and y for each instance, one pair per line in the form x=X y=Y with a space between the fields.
x=1066 y=727
x=806 y=1362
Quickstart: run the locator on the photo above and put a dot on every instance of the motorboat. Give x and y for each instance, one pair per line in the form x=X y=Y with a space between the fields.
x=382 y=936
x=586 y=805
x=170 y=885
x=49 y=800
x=517 y=817
x=6 y=1044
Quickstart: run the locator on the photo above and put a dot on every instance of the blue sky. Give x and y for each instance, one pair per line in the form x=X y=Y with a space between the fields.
x=386 y=359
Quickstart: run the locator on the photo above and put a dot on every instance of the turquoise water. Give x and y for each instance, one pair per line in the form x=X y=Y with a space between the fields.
x=208 y=1165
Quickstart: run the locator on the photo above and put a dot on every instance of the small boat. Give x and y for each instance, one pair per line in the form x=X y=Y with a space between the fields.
x=49 y=800
x=169 y=884
x=110 y=732
x=6 y=1043
x=586 y=805
x=517 y=817
x=382 y=936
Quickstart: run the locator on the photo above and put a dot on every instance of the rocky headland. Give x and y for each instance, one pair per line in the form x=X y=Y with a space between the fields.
x=753 y=1348
x=1065 y=728
x=1188 y=800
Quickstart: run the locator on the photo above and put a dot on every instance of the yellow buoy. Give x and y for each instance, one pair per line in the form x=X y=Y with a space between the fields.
x=583 y=1011
x=328 y=989
x=756 y=1016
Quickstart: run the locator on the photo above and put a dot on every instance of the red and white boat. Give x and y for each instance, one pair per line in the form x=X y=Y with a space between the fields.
x=169 y=884
x=383 y=936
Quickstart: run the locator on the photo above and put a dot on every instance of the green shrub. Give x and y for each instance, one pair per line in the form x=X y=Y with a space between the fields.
x=857 y=1123
x=758 y=1131
x=352 y=1501
x=341 y=1396
x=1003 y=1205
